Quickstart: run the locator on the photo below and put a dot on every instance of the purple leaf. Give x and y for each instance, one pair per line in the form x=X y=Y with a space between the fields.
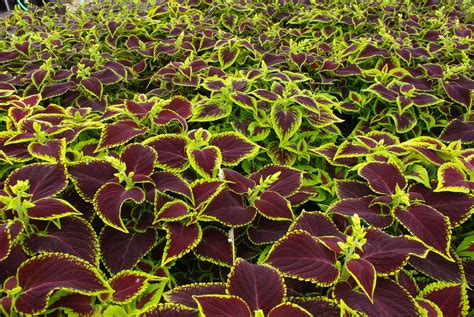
x=127 y=285
x=273 y=206
x=54 y=90
x=288 y=309
x=372 y=214
x=229 y=209
x=139 y=159
x=364 y=274
x=459 y=130
x=206 y=161
x=458 y=93
x=119 y=133
x=180 y=239
x=215 y=247
x=288 y=182
x=317 y=224
x=222 y=305
x=90 y=176
x=171 y=151
x=383 y=178
x=233 y=147
x=93 y=86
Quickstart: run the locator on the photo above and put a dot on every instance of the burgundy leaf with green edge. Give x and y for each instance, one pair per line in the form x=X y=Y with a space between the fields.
x=54 y=90
x=45 y=180
x=429 y=308
x=387 y=253
x=350 y=70
x=389 y=299
x=318 y=306
x=53 y=149
x=274 y=206
x=122 y=251
x=375 y=215
x=233 y=147
x=89 y=176
x=51 y=208
x=222 y=305
x=364 y=274
x=244 y=100
x=215 y=247
x=438 y=267
x=263 y=230
x=431 y=227
x=205 y=162
x=170 y=310
x=139 y=159
x=451 y=178
x=237 y=182
x=383 y=178
x=203 y=190
x=168 y=182
x=119 y=133
x=229 y=209
x=307 y=102
x=301 y=256
x=6 y=56
x=289 y=309
x=78 y=303
x=324 y=118
x=180 y=239
x=166 y=116
x=42 y=274
x=171 y=151
x=286 y=122
x=317 y=224
x=260 y=286
x=458 y=92
x=76 y=237
x=227 y=56
x=5 y=241
x=183 y=295
x=108 y=203
x=93 y=86
x=352 y=189
x=181 y=106
x=139 y=109
x=459 y=130
x=451 y=298
x=127 y=285
x=173 y=210
x=288 y=182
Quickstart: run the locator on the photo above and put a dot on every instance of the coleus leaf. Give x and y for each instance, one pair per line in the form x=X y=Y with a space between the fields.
x=75 y=237
x=429 y=308
x=451 y=298
x=180 y=239
x=127 y=285
x=285 y=122
x=53 y=151
x=229 y=209
x=263 y=230
x=458 y=130
x=222 y=305
x=389 y=299
x=181 y=106
x=352 y=189
x=51 y=208
x=169 y=182
x=89 y=176
x=260 y=286
x=299 y=255
x=289 y=309
x=215 y=247
x=54 y=90
x=451 y=178
x=139 y=159
x=206 y=162
x=119 y=133
x=318 y=306
x=237 y=182
x=274 y=206
x=45 y=180
x=42 y=274
x=183 y=295
x=108 y=203
x=122 y=251
x=317 y=224
x=205 y=190
x=364 y=274
x=383 y=178
x=93 y=86
x=458 y=92
x=9 y=232
x=173 y=211
x=428 y=225
x=234 y=147
x=171 y=149
x=439 y=268
x=227 y=56
x=288 y=182
x=372 y=214
x=170 y=310
x=78 y=303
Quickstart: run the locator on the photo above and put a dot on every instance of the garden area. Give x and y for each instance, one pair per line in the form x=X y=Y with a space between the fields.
x=240 y=158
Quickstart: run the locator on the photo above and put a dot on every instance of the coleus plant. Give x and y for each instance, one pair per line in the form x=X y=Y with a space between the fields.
x=253 y=158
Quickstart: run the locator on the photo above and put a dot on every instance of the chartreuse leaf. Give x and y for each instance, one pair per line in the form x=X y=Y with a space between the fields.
x=451 y=298
x=41 y=275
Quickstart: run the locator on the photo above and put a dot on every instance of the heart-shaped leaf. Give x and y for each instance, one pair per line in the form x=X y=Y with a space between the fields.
x=234 y=147
x=139 y=159
x=229 y=209
x=127 y=285
x=180 y=239
x=171 y=149
x=93 y=86
x=206 y=162
x=286 y=122
x=383 y=178
x=451 y=298
x=215 y=247
x=52 y=151
x=119 y=133
x=289 y=180
x=317 y=224
x=89 y=176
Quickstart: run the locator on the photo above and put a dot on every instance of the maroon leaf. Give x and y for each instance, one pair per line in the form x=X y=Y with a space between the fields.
x=75 y=237
x=53 y=149
x=438 y=267
x=427 y=224
x=263 y=230
x=168 y=182
x=451 y=178
x=222 y=305
x=288 y=182
x=180 y=239
x=171 y=151
x=90 y=176
x=430 y=308
x=364 y=274
x=54 y=90
x=288 y=309
x=206 y=161
x=167 y=116
x=273 y=206
x=40 y=275
x=93 y=86
x=183 y=295
x=458 y=93
x=318 y=306
x=301 y=256
x=122 y=251
x=372 y=214
x=51 y=208
x=286 y=122
x=229 y=209
x=352 y=69
x=233 y=147
x=383 y=178
x=119 y=133
x=352 y=189
x=260 y=286
x=139 y=108
x=127 y=285
x=451 y=298
x=317 y=224
x=139 y=159
x=173 y=210
x=45 y=180
x=459 y=130
x=389 y=299
x=244 y=101
x=171 y=310
x=388 y=254
x=215 y=247
x=227 y=56
x=181 y=106
x=5 y=241
x=78 y=303
x=203 y=190
x=108 y=203
x=237 y=182
x=6 y=56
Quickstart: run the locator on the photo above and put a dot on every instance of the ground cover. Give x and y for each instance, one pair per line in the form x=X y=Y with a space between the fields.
x=237 y=158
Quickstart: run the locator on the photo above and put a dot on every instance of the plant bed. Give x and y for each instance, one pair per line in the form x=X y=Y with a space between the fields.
x=237 y=158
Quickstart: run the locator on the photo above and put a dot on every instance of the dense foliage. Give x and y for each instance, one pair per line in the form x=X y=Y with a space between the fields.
x=237 y=158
